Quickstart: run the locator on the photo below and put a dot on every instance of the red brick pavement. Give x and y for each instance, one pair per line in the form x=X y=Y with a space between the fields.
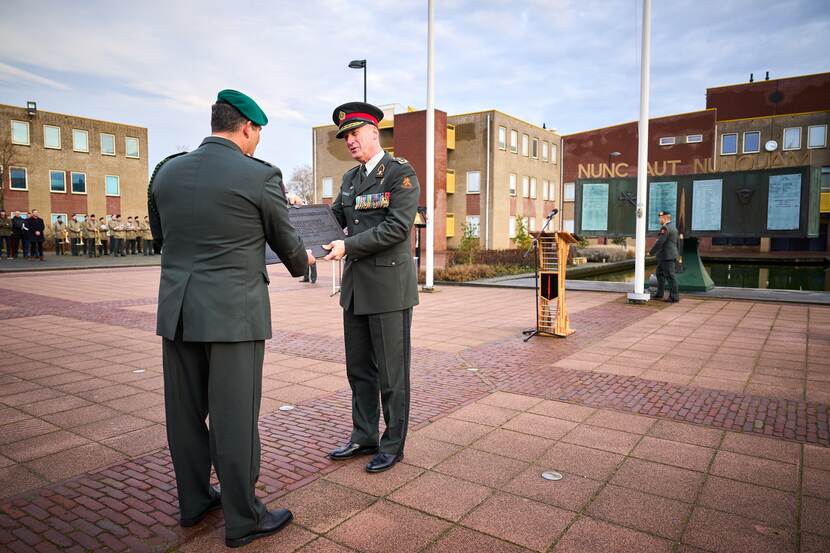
x=132 y=505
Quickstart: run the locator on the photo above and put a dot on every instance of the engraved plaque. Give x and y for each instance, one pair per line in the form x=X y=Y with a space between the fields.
x=315 y=224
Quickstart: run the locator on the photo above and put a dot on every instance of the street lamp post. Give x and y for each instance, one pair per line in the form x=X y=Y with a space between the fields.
x=360 y=64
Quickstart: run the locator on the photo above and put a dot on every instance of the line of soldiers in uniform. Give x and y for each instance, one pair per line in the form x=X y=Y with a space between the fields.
x=91 y=237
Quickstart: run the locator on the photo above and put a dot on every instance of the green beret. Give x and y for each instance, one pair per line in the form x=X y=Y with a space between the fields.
x=246 y=106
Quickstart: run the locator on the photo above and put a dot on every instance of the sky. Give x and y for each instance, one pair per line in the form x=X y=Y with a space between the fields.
x=571 y=64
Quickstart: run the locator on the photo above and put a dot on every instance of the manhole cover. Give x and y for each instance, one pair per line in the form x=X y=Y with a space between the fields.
x=552 y=475
x=286 y=408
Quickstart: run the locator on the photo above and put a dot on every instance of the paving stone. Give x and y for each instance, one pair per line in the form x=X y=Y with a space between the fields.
x=322 y=505
x=658 y=479
x=766 y=472
x=455 y=431
x=758 y=446
x=482 y=413
x=687 y=456
x=756 y=502
x=464 y=540
x=441 y=495
x=620 y=421
x=560 y=410
x=588 y=535
x=654 y=515
x=686 y=433
x=426 y=453
x=572 y=492
x=353 y=475
x=516 y=445
x=602 y=438
x=581 y=461
x=727 y=533
x=481 y=467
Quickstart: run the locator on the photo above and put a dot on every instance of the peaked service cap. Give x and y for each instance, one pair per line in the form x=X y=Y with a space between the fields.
x=352 y=115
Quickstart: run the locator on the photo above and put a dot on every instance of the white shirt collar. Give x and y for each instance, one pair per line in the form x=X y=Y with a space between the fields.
x=372 y=163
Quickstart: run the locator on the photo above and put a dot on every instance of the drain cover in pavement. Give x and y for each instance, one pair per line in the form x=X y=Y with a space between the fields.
x=552 y=475
x=138 y=371
x=286 y=408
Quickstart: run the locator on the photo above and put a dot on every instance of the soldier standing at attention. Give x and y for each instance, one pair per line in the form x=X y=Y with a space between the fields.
x=74 y=228
x=117 y=232
x=147 y=236
x=129 y=228
x=5 y=235
x=665 y=249
x=90 y=226
x=103 y=226
x=212 y=210
x=377 y=202
x=57 y=230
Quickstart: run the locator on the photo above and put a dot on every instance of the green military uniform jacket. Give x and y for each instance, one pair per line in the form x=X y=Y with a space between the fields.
x=379 y=212
x=145 y=233
x=5 y=226
x=213 y=209
x=74 y=228
x=57 y=230
x=665 y=249
x=89 y=228
x=117 y=229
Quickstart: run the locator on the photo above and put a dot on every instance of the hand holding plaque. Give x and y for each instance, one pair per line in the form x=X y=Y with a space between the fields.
x=315 y=224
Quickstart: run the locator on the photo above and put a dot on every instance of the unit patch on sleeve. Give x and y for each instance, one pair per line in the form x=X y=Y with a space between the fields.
x=372 y=201
x=406 y=183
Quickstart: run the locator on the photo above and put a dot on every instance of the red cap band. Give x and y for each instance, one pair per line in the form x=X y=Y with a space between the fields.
x=358 y=115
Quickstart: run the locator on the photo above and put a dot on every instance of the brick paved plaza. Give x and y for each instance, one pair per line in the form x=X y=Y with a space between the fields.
x=695 y=427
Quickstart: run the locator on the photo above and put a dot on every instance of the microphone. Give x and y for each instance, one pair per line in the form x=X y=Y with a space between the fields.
x=553 y=212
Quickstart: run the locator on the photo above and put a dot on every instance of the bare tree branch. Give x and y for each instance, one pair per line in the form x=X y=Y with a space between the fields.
x=301 y=183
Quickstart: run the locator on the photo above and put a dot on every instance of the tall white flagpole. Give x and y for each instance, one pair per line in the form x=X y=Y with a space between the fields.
x=430 y=194
x=639 y=295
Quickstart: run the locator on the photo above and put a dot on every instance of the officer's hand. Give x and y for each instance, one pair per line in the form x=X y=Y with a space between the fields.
x=294 y=199
x=336 y=249
x=311 y=259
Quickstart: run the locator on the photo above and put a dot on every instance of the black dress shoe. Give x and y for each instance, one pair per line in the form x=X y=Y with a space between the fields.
x=350 y=450
x=382 y=462
x=272 y=522
x=215 y=502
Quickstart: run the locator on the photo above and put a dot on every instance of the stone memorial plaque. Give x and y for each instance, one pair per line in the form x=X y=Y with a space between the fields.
x=595 y=206
x=315 y=224
x=662 y=196
x=784 y=202
x=707 y=199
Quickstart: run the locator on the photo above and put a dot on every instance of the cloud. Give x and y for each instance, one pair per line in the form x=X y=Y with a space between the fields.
x=10 y=75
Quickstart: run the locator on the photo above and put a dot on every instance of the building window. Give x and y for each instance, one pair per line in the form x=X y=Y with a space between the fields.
x=328 y=187
x=131 y=146
x=502 y=138
x=554 y=153
x=473 y=225
x=667 y=141
x=18 y=179
x=511 y=226
x=79 y=183
x=570 y=193
x=817 y=136
x=57 y=181
x=792 y=138
x=525 y=187
x=568 y=225
x=113 y=185
x=512 y=184
x=107 y=144
x=55 y=216
x=514 y=141
x=752 y=142
x=526 y=223
x=825 y=179
x=694 y=138
x=20 y=132
x=534 y=151
x=51 y=137
x=473 y=182
x=545 y=186
x=80 y=140
x=729 y=144
x=533 y=187
x=525 y=145
x=450 y=225
x=544 y=151
x=532 y=225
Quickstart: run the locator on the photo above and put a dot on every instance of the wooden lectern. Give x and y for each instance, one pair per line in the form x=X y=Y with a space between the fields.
x=551 y=308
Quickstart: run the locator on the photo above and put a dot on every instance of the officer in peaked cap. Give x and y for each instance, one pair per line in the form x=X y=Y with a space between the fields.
x=665 y=249
x=212 y=211
x=377 y=202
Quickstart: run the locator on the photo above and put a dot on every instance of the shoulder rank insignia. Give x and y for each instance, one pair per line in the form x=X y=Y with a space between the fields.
x=262 y=161
x=372 y=201
x=380 y=171
x=406 y=183
x=400 y=160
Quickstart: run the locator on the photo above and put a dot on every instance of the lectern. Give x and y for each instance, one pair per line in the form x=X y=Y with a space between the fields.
x=551 y=266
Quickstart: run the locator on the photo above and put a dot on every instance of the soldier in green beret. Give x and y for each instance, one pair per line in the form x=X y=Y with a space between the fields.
x=212 y=211
x=377 y=202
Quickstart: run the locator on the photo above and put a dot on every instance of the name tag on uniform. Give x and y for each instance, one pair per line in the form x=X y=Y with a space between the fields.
x=372 y=201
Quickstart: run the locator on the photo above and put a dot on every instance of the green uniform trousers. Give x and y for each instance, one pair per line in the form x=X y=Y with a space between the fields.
x=377 y=365
x=223 y=380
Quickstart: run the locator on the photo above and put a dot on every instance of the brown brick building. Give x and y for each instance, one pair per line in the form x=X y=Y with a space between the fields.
x=65 y=164
x=490 y=169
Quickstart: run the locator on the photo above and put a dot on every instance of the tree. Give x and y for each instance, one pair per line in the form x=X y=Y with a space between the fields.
x=8 y=157
x=469 y=245
x=523 y=240
x=301 y=183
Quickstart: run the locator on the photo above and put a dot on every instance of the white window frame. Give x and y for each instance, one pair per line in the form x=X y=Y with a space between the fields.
x=525 y=145
x=50 y=181
x=525 y=186
x=784 y=139
x=531 y=225
x=722 y=136
x=554 y=153
x=330 y=182
x=28 y=133
x=25 y=178
x=694 y=138
x=47 y=146
x=478 y=187
x=824 y=136
x=545 y=186
x=53 y=216
x=551 y=191
x=569 y=194
x=668 y=140
x=514 y=141
x=477 y=225
x=511 y=226
x=75 y=142
x=534 y=148
x=118 y=181
x=137 y=147
x=502 y=138
x=545 y=150
x=512 y=182
x=101 y=143
x=533 y=183
x=72 y=188
x=743 y=146
x=568 y=225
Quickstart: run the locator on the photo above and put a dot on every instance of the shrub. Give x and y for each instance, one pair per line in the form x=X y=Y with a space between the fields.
x=599 y=253
x=473 y=271
x=469 y=245
x=523 y=240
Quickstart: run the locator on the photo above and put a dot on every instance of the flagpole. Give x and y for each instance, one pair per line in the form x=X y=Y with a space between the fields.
x=430 y=147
